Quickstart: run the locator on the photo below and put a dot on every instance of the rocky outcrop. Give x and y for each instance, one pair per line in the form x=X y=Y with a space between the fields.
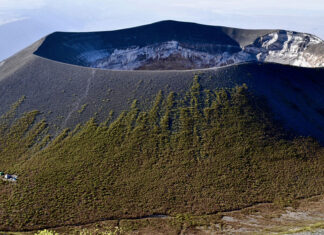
x=287 y=47
x=282 y=47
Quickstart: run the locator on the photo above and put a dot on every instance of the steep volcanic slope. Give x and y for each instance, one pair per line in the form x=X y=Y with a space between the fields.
x=178 y=45
x=67 y=94
x=60 y=91
x=203 y=152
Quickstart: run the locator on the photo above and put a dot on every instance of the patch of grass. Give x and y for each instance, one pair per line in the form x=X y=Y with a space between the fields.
x=195 y=154
x=83 y=107
x=309 y=228
x=46 y=232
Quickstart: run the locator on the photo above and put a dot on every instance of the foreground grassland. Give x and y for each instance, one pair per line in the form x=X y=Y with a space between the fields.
x=196 y=154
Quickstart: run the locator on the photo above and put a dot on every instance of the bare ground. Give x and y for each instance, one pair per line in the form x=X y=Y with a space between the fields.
x=305 y=218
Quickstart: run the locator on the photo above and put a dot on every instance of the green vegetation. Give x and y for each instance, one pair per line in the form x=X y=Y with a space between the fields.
x=310 y=229
x=83 y=107
x=46 y=232
x=200 y=153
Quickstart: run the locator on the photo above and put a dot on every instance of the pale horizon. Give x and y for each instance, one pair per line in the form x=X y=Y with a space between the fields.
x=23 y=22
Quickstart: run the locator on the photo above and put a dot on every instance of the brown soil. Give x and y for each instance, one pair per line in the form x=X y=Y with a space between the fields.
x=265 y=218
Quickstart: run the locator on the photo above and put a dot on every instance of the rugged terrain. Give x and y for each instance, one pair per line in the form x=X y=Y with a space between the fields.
x=177 y=45
x=93 y=137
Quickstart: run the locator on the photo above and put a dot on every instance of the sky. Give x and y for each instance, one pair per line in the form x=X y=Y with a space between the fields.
x=24 y=21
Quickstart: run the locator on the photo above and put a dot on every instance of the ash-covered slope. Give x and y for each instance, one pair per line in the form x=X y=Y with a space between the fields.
x=179 y=45
x=66 y=94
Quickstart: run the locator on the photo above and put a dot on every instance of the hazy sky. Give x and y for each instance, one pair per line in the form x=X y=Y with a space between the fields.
x=25 y=21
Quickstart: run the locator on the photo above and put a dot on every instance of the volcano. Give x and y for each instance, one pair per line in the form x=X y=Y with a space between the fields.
x=160 y=121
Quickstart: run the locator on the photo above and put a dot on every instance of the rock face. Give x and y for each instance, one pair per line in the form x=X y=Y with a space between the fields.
x=287 y=47
x=176 y=45
x=282 y=47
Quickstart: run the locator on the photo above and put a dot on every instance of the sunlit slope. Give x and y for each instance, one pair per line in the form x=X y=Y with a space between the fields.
x=199 y=152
